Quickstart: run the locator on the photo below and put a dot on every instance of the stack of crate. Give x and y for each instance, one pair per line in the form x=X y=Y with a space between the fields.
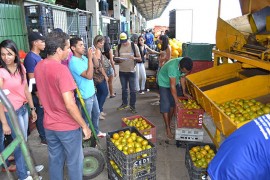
x=39 y=18
x=188 y=122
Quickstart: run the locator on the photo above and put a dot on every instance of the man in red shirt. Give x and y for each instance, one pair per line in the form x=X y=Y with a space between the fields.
x=62 y=119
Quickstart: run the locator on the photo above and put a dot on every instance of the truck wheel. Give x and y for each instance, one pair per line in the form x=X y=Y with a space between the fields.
x=93 y=163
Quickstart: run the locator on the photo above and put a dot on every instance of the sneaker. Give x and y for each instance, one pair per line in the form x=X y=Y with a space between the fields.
x=122 y=107
x=101 y=134
x=133 y=110
x=101 y=117
x=103 y=114
x=147 y=90
x=43 y=142
x=141 y=92
x=31 y=178
x=38 y=169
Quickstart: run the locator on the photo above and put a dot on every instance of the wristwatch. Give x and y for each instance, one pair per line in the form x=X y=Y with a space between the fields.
x=33 y=108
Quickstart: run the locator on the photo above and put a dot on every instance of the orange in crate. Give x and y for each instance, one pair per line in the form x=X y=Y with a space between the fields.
x=189 y=114
x=144 y=126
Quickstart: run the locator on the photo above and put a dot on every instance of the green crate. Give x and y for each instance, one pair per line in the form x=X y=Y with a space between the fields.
x=198 y=51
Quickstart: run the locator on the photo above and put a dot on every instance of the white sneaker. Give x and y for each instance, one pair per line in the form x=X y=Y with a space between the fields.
x=38 y=169
x=31 y=178
x=103 y=114
x=101 y=134
x=101 y=117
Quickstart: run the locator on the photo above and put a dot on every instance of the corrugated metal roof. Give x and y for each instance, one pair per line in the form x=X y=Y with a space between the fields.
x=150 y=9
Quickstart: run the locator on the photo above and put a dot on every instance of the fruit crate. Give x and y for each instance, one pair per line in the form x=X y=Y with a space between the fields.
x=132 y=166
x=112 y=174
x=187 y=134
x=196 y=173
x=38 y=10
x=149 y=134
x=151 y=82
x=39 y=21
x=188 y=118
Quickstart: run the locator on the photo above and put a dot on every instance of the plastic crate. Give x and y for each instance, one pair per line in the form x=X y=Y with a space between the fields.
x=38 y=10
x=112 y=175
x=151 y=82
x=198 y=51
x=44 y=30
x=39 y=21
x=153 y=62
x=151 y=133
x=201 y=65
x=188 y=118
x=132 y=167
x=196 y=173
x=186 y=134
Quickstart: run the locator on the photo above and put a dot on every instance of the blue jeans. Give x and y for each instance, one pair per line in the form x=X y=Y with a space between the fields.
x=40 y=116
x=125 y=79
x=65 y=146
x=93 y=111
x=102 y=93
x=23 y=119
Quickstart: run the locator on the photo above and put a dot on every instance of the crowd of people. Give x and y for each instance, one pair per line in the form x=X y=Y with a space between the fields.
x=53 y=105
x=59 y=118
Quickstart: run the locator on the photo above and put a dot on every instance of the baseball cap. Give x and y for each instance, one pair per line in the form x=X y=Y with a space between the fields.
x=33 y=36
x=123 y=37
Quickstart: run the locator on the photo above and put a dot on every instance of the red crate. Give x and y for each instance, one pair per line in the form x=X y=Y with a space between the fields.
x=152 y=132
x=188 y=118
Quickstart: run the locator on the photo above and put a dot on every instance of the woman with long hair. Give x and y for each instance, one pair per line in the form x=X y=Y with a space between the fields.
x=166 y=48
x=102 y=88
x=109 y=64
x=14 y=83
x=140 y=68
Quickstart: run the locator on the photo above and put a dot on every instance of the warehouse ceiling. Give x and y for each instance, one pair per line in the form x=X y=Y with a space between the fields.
x=151 y=9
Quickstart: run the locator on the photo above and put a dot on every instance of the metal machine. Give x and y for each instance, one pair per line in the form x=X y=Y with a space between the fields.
x=241 y=67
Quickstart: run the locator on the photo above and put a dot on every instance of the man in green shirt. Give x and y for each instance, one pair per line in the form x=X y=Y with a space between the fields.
x=169 y=76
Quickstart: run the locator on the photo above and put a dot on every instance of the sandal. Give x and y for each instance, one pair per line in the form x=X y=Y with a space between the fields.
x=112 y=96
x=11 y=168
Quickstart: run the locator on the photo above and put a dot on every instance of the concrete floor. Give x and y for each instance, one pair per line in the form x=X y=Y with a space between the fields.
x=170 y=162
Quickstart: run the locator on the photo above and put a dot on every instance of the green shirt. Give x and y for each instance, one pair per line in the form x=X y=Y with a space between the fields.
x=169 y=70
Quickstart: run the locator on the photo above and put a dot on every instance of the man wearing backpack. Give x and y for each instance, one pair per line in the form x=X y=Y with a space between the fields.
x=129 y=54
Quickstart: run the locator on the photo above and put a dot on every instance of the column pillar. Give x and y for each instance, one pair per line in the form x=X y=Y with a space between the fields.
x=92 y=6
x=116 y=9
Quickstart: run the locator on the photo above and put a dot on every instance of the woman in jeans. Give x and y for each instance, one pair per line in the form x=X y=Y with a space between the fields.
x=14 y=84
x=102 y=88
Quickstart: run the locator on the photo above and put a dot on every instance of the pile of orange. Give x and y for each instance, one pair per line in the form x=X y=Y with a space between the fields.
x=129 y=142
x=189 y=104
x=240 y=110
x=176 y=48
x=201 y=155
x=139 y=123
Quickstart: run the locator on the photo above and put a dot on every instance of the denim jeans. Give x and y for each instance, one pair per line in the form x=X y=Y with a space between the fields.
x=23 y=119
x=125 y=79
x=102 y=93
x=93 y=111
x=140 y=74
x=40 y=116
x=65 y=146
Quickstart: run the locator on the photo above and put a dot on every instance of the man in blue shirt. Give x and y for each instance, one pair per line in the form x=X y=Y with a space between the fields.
x=245 y=154
x=149 y=39
x=82 y=70
x=37 y=44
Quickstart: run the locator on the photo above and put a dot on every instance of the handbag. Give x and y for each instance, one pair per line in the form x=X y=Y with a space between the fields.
x=98 y=77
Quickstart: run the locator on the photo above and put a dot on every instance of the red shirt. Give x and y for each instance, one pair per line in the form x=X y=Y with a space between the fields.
x=53 y=79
